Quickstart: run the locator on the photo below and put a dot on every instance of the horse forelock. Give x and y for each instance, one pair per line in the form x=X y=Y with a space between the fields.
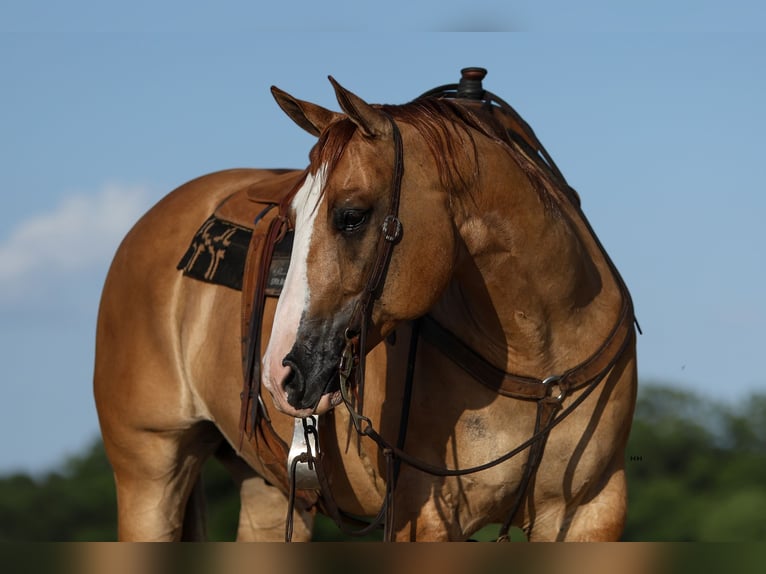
x=432 y=119
x=332 y=143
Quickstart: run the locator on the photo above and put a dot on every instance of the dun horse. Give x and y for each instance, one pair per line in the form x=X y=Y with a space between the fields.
x=451 y=326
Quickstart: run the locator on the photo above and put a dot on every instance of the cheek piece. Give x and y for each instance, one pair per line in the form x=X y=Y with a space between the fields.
x=352 y=360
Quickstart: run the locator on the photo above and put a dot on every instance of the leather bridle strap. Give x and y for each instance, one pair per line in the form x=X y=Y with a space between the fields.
x=385 y=515
x=550 y=413
x=353 y=356
x=391 y=230
x=428 y=468
x=525 y=387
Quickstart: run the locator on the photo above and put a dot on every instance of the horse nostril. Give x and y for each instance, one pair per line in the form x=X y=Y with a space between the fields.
x=289 y=376
x=292 y=382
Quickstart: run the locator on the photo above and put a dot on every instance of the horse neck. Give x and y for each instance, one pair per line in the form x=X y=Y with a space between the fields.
x=532 y=292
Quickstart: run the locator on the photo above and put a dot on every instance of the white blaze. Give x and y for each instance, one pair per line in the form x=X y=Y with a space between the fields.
x=295 y=293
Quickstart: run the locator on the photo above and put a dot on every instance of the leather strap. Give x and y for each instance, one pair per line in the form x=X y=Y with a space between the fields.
x=253 y=310
x=260 y=255
x=516 y=386
x=525 y=387
x=391 y=233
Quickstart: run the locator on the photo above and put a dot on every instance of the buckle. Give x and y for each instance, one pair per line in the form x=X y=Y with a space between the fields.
x=348 y=360
x=551 y=384
x=392 y=229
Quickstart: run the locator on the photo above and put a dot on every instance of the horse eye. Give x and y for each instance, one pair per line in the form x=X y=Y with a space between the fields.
x=348 y=221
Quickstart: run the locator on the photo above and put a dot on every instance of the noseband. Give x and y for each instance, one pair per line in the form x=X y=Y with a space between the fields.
x=549 y=392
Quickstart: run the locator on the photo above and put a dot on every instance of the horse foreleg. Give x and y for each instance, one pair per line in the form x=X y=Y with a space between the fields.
x=155 y=476
x=263 y=507
x=600 y=517
x=426 y=508
x=263 y=514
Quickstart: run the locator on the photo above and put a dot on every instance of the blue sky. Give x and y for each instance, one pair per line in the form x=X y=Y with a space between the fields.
x=653 y=112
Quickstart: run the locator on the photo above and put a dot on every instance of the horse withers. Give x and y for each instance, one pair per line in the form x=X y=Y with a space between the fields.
x=442 y=265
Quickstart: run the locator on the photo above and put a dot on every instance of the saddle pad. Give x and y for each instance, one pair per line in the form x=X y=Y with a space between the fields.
x=217 y=253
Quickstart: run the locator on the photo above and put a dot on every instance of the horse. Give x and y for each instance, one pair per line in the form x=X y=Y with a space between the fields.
x=449 y=321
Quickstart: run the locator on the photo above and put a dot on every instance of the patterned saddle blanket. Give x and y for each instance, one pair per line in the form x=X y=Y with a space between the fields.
x=235 y=234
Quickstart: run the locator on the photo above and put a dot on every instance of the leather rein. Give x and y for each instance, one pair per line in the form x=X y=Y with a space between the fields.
x=549 y=392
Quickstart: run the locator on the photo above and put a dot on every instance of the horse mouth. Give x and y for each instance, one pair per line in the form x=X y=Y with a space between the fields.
x=326 y=403
x=329 y=398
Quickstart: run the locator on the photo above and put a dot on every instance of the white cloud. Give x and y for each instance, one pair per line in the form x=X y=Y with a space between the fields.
x=81 y=232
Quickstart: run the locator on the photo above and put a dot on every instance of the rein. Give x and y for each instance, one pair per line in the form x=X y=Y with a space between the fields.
x=549 y=393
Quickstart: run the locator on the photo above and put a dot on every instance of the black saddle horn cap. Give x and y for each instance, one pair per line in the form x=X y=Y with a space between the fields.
x=470 y=83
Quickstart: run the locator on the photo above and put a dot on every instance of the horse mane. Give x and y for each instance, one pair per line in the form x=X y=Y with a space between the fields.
x=437 y=120
x=433 y=118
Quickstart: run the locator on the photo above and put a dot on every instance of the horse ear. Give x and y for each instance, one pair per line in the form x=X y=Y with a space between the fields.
x=311 y=117
x=373 y=122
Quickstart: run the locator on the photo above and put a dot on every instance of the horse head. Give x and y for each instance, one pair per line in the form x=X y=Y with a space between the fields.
x=340 y=214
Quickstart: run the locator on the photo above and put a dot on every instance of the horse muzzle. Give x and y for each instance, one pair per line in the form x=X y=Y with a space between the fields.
x=306 y=381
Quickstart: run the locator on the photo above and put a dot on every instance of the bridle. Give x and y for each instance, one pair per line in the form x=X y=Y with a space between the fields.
x=352 y=361
x=549 y=393
x=355 y=334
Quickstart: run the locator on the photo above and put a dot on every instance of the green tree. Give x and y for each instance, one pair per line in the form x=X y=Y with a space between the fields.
x=695 y=468
x=75 y=503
